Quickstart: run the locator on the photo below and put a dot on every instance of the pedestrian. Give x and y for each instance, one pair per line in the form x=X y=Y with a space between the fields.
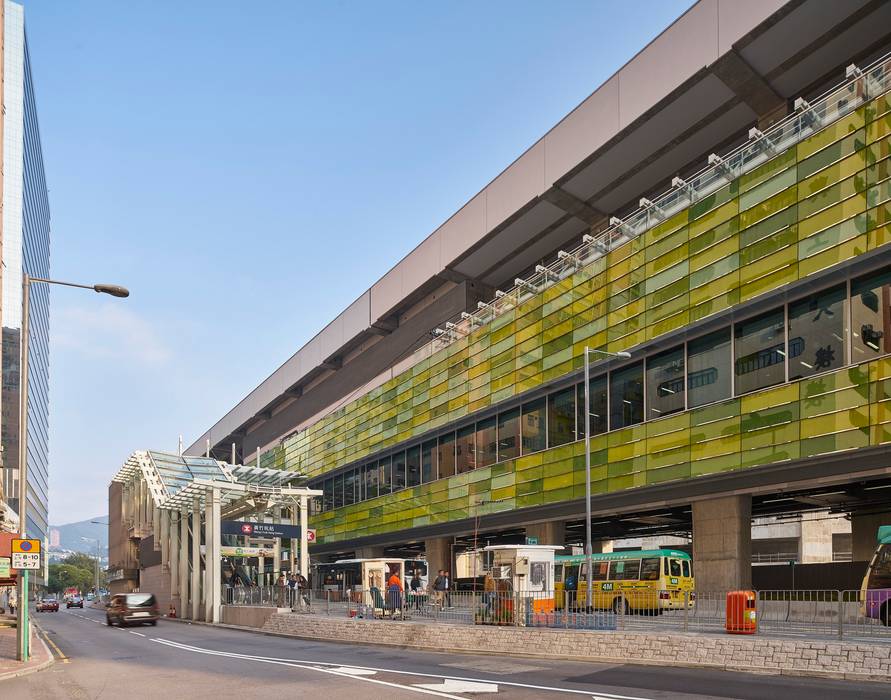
x=303 y=588
x=281 y=587
x=447 y=584
x=439 y=589
x=292 y=590
x=415 y=585
x=394 y=592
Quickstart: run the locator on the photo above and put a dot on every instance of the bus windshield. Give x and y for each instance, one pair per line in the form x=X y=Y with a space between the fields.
x=880 y=569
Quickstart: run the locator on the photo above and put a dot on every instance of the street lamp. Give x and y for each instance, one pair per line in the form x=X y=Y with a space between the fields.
x=22 y=626
x=588 y=548
x=98 y=557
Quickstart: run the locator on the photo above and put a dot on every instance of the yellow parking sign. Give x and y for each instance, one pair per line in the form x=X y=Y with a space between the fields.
x=23 y=546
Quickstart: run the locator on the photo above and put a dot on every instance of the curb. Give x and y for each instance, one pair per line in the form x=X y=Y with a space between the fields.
x=788 y=672
x=31 y=669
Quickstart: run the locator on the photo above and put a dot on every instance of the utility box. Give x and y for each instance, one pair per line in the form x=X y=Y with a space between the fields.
x=741 y=616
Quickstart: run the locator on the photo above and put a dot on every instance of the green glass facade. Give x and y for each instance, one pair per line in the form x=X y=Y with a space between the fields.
x=759 y=390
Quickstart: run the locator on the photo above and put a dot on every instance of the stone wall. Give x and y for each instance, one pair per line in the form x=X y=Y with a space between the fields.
x=729 y=652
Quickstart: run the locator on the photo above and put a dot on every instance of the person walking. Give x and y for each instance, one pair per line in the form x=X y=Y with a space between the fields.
x=292 y=591
x=281 y=587
x=439 y=589
x=394 y=593
x=415 y=585
x=302 y=589
x=447 y=588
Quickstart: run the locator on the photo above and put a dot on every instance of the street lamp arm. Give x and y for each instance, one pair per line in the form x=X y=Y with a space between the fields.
x=112 y=289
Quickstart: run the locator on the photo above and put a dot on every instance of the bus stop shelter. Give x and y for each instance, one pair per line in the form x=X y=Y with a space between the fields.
x=181 y=501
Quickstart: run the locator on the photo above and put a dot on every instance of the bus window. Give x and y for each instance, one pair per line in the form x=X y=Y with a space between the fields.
x=649 y=569
x=625 y=570
x=686 y=564
x=675 y=567
x=600 y=570
x=665 y=569
x=571 y=578
x=558 y=573
x=880 y=570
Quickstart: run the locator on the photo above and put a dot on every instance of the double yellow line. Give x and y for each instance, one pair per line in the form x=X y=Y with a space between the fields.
x=64 y=659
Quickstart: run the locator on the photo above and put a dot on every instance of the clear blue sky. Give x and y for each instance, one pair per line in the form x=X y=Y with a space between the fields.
x=249 y=169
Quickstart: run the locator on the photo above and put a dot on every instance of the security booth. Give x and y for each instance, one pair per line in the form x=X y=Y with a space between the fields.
x=520 y=583
x=364 y=582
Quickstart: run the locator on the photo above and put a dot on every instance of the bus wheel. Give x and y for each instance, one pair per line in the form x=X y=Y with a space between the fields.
x=620 y=605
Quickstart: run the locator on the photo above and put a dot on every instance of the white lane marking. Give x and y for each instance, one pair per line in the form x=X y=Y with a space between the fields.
x=138 y=634
x=330 y=671
x=451 y=686
x=273 y=659
x=349 y=670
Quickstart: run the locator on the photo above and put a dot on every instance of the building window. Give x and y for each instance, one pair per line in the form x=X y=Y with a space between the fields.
x=413 y=466
x=817 y=333
x=665 y=383
x=509 y=435
x=428 y=461
x=465 y=451
x=385 y=475
x=561 y=417
x=328 y=494
x=398 y=471
x=597 y=414
x=371 y=480
x=486 y=442
x=533 y=426
x=349 y=488
x=708 y=368
x=871 y=316
x=445 y=455
x=760 y=345
x=338 y=491
x=626 y=396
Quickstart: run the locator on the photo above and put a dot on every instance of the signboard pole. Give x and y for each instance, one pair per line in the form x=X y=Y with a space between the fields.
x=25 y=622
x=304 y=525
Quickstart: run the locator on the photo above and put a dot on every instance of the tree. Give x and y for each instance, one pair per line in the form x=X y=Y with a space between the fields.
x=62 y=576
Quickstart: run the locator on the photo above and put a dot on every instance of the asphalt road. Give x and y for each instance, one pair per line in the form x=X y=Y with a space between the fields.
x=179 y=660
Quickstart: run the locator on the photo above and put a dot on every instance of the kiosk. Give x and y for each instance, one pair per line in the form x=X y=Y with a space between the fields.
x=522 y=581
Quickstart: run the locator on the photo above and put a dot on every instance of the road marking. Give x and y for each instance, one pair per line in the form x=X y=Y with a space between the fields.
x=62 y=657
x=598 y=695
x=330 y=671
x=354 y=671
x=450 y=686
x=138 y=634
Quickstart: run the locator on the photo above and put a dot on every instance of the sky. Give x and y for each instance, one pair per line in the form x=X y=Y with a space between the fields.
x=247 y=170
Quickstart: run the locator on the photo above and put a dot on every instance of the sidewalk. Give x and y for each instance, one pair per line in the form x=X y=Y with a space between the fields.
x=9 y=667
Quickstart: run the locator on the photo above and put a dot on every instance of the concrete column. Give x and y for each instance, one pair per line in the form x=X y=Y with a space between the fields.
x=173 y=549
x=156 y=526
x=212 y=556
x=438 y=552
x=553 y=532
x=366 y=553
x=864 y=531
x=304 y=545
x=722 y=543
x=183 y=559
x=164 y=527
x=815 y=540
x=196 y=608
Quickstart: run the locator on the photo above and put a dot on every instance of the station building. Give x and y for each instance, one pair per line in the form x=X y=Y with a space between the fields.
x=719 y=210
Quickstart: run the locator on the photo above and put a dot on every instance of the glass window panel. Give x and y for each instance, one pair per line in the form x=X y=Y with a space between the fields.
x=871 y=316
x=708 y=368
x=385 y=475
x=349 y=488
x=399 y=471
x=649 y=569
x=371 y=480
x=626 y=396
x=561 y=417
x=816 y=333
x=509 y=435
x=760 y=352
x=428 y=461
x=625 y=570
x=328 y=495
x=533 y=426
x=599 y=408
x=465 y=453
x=486 y=442
x=665 y=383
x=338 y=491
x=445 y=455
x=413 y=466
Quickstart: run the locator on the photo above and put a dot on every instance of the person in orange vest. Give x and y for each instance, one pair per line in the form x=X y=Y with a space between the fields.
x=394 y=591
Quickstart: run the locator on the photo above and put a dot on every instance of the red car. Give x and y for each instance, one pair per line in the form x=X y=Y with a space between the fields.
x=49 y=604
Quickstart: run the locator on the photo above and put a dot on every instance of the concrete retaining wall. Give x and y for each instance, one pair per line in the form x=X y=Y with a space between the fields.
x=246 y=616
x=737 y=653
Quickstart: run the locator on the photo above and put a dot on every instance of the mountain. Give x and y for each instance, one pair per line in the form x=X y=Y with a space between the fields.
x=70 y=535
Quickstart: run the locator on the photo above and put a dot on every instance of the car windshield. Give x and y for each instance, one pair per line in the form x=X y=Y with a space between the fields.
x=140 y=600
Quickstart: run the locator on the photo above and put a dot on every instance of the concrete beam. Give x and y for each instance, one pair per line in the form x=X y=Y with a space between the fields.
x=553 y=532
x=333 y=363
x=733 y=70
x=573 y=205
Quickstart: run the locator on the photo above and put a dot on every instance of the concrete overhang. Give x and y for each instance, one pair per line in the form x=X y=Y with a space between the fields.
x=720 y=68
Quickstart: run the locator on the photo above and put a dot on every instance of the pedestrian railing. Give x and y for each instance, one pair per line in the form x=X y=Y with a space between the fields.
x=829 y=614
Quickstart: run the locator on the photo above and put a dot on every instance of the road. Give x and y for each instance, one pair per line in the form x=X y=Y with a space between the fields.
x=179 y=660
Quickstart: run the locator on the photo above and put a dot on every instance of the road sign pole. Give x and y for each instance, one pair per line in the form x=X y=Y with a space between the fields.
x=25 y=622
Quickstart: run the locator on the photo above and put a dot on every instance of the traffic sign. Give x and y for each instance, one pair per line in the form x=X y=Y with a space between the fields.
x=25 y=546
x=25 y=560
x=310 y=535
x=4 y=567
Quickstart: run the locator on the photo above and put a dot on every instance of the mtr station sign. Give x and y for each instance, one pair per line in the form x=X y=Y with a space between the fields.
x=260 y=530
x=25 y=554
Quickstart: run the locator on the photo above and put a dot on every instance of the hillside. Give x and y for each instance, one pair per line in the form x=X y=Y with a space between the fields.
x=71 y=533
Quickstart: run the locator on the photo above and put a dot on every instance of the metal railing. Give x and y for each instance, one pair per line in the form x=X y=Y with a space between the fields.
x=828 y=614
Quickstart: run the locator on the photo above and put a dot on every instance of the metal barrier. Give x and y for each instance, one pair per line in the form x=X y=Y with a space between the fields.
x=824 y=614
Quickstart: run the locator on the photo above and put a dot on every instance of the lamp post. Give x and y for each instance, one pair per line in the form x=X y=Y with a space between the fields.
x=23 y=629
x=589 y=582
x=98 y=557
